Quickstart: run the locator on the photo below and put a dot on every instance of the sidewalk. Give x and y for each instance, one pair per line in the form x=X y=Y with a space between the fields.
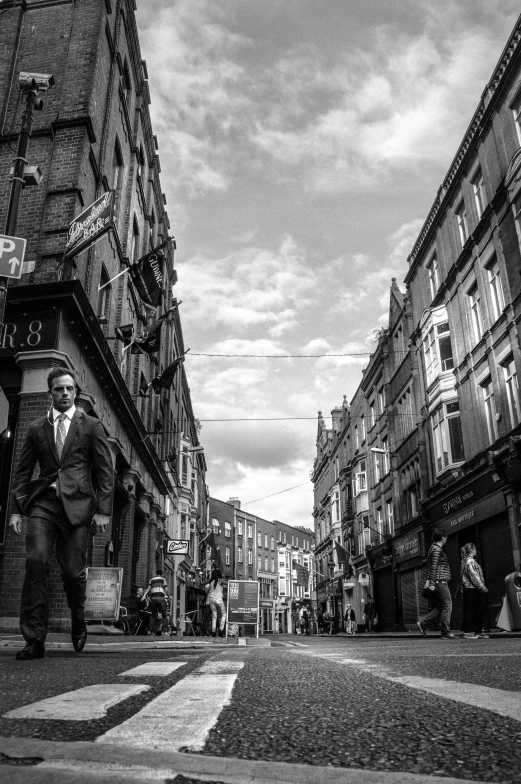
x=56 y=641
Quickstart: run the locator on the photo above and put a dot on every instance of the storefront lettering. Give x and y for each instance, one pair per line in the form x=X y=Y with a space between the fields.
x=461 y=519
x=457 y=501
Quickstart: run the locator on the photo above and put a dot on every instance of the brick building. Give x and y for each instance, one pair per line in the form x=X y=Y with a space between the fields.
x=94 y=136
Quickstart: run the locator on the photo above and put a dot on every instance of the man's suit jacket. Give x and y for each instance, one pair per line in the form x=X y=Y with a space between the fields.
x=86 y=455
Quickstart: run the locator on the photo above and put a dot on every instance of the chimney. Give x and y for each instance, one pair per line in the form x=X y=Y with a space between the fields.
x=234 y=502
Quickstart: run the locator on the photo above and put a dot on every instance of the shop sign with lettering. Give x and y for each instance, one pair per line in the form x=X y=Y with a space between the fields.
x=474 y=514
x=243 y=601
x=408 y=546
x=464 y=496
x=103 y=593
x=90 y=226
x=29 y=332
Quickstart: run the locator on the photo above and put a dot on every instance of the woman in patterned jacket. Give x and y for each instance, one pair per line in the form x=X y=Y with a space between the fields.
x=471 y=580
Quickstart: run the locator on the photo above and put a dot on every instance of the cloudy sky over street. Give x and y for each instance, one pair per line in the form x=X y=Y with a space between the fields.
x=302 y=143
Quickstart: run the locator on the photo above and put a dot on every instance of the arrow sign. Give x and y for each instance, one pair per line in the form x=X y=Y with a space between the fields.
x=12 y=252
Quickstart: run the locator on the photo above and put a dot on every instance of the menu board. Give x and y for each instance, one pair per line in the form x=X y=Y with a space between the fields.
x=103 y=593
x=243 y=601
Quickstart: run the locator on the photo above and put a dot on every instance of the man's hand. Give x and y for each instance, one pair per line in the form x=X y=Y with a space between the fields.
x=15 y=522
x=101 y=522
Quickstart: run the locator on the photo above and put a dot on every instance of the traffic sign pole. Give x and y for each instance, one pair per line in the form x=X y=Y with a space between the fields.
x=16 y=187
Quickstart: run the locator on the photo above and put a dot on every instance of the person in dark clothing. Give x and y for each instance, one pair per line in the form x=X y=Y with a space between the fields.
x=438 y=576
x=369 y=612
x=143 y=613
x=474 y=590
x=157 y=589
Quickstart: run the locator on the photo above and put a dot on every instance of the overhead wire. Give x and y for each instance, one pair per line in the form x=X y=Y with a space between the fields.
x=272 y=494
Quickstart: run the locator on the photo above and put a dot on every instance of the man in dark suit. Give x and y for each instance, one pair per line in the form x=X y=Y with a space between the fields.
x=71 y=449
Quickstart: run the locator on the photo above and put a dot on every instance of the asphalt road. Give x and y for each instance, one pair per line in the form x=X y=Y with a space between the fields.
x=309 y=708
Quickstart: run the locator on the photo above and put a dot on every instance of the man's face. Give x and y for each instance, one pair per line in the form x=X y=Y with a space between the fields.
x=63 y=392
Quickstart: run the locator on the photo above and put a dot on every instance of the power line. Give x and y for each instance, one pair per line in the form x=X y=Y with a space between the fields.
x=279 y=493
x=279 y=356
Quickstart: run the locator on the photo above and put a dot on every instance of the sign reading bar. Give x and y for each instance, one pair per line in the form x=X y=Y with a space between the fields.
x=29 y=332
x=103 y=593
x=91 y=224
x=243 y=601
x=177 y=546
x=12 y=251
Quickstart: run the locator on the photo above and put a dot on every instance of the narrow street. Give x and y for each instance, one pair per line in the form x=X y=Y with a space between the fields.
x=288 y=708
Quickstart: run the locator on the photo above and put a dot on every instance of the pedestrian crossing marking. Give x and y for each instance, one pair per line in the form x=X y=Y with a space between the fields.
x=182 y=716
x=500 y=701
x=85 y=704
x=152 y=668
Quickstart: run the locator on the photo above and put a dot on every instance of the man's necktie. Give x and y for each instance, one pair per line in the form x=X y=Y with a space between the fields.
x=60 y=435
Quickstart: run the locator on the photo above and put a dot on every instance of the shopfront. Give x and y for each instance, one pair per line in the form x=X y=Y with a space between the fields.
x=266 y=613
x=409 y=563
x=477 y=512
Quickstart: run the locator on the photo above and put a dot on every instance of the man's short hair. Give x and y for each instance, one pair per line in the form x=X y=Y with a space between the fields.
x=438 y=534
x=59 y=371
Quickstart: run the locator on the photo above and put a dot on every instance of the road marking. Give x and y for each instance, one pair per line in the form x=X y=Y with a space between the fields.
x=152 y=668
x=90 y=702
x=183 y=715
x=500 y=701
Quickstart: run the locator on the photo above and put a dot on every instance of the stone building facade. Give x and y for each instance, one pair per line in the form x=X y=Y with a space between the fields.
x=431 y=437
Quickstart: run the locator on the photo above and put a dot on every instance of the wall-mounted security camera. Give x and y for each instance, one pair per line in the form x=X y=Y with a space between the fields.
x=35 y=81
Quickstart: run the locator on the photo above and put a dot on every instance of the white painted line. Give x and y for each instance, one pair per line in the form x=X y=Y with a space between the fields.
x=183 y=715
x=500 y=701
x=90 y=702
x=505 y=703
x=152 y=668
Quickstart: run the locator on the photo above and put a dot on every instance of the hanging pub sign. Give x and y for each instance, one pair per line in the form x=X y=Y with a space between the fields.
x=90 y=225
x=177 y=546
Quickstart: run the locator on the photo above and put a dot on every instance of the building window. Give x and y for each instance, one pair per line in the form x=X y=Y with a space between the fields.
x=273 y=564
x=447 y=435
x=475 y=312
x=259 y=562
x=133 y=253
x=512 y=387
x=239 y=528
x=266 y=541
x=250 y=531
x=478 y=186
x=434 y=281
x=227 y=556
x=272 y=543
x=496 y=289
x=362 y=428
x=357 y=442
x=104 y=296
x=516 y=110
x=372 y=418
x=437 y=348
x=385 y=447
x=364 y=535
x=215 y=526
x=227 y=530
x=239 y=554
x=127 y=83
x=490 y=409
x=390 y=516
x=250 y=557
x=361 y=478
x=461 y=219
x=117 y=176
x=381 y=400
x=265 y=563
x=259 y=539
x=411 y=489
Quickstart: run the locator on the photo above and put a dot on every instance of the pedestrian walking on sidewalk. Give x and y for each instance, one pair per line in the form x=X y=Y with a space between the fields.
x=214 y=596
x=157 y=590
x=369 y=612
x=350 y=620
x=438 y=576
x=474 y=593
x=71 y=449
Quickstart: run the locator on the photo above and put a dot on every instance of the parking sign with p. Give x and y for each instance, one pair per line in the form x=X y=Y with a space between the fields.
x=12 y=252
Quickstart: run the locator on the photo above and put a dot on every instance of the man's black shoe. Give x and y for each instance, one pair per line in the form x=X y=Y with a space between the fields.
x=79 y=638
x=34 y=649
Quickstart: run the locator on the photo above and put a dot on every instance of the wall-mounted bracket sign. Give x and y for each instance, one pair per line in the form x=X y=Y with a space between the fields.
x=177 y=546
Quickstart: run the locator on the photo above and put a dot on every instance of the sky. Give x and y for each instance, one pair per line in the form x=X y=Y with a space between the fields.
x=302 y=143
